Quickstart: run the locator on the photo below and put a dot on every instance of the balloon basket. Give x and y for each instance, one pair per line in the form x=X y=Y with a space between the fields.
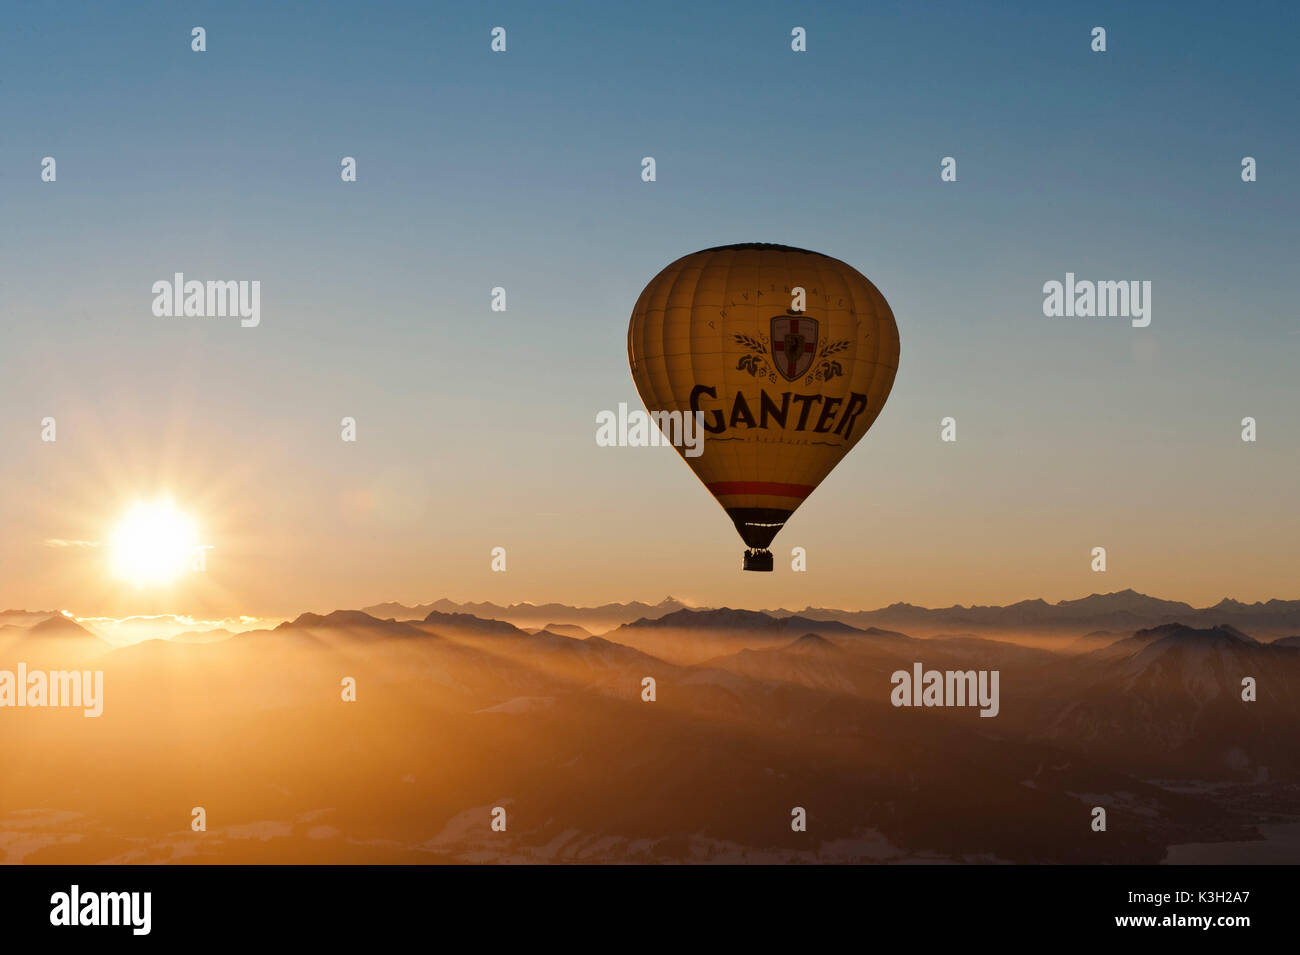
x=758 y=560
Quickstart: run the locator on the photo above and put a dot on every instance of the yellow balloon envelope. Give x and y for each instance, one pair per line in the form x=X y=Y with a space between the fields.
x=786 y=383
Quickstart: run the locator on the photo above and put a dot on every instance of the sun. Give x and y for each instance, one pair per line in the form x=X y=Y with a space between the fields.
x=153 y=544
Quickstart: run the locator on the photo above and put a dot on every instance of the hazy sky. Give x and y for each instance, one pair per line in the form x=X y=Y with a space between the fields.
x=522 y=170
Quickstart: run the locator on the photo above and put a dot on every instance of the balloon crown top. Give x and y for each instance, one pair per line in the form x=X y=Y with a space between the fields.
x=773 y=246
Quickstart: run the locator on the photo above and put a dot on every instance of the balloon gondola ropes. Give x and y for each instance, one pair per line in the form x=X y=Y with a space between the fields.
x=784 y=356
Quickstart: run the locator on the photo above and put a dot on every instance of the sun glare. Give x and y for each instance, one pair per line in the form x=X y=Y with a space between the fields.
x=153 y=544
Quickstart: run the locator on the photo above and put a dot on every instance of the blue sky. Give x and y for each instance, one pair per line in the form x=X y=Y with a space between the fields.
x=522 y=170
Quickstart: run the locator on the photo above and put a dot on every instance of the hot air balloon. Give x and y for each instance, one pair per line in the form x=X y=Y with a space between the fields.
x=786 y=383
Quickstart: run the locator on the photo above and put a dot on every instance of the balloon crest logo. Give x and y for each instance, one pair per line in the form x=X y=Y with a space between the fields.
x=784 y=397
x=794 y=342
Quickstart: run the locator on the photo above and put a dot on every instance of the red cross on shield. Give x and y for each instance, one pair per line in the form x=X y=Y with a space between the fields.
x=794 y=341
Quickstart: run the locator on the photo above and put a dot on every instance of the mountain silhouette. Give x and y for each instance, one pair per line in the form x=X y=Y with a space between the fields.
x=1122 y=611
x=604 y=617
x=62 y=627
x=1173 y=696
x=355 y=624
x=748 y=620
x=469 y=623
x=812 y=644
x=568 y=630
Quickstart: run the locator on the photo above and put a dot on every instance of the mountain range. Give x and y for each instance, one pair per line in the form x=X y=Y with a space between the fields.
x=753 y=712
x=603 y=617
x=1122 y=611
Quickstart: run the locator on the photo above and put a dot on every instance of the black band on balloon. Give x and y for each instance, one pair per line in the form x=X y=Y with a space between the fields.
x=758 y=525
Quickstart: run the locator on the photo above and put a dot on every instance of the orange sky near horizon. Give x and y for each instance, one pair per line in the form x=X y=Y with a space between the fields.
x=933 y=532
